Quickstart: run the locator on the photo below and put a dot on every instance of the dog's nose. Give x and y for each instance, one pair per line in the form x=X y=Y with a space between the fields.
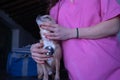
x=50 y=50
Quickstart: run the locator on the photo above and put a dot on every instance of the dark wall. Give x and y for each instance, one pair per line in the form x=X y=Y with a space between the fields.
x=5 y=46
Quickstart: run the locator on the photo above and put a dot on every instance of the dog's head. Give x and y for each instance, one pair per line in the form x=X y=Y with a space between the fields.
x=45 y=18
x=41 y=19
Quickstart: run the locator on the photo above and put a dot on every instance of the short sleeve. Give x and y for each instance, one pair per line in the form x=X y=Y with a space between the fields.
x=110 y=9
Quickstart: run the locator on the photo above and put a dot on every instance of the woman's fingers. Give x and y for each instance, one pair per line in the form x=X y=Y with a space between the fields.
x=39 y=61
x=52 y=36
x=37 y=52
x=36 y=45
x=49 y=27
x=39 y=58
x=48 y=24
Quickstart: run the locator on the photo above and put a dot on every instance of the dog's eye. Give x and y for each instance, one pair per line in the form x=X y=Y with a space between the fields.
x=48 y=18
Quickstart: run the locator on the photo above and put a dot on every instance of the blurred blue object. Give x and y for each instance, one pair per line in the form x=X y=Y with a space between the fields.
x=20 y=63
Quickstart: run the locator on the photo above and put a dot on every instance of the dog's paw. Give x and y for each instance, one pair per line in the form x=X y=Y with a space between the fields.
x=39 y=77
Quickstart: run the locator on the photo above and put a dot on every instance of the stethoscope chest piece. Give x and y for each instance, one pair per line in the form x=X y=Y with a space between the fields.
x=50 y=50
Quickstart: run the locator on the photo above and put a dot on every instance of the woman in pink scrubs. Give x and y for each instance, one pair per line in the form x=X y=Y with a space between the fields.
x=87 y=30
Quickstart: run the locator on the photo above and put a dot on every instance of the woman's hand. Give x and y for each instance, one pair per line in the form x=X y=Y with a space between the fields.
x=38 y=53
x=58 y=32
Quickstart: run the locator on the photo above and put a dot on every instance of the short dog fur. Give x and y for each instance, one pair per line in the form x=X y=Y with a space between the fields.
x=52 y=65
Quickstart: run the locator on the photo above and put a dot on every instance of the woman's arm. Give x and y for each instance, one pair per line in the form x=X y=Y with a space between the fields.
x=103 y=29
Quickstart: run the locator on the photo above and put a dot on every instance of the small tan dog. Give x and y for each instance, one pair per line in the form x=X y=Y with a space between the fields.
x=52 y=65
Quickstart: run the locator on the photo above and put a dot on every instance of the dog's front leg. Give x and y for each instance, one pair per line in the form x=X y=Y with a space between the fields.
x=45 y=76
x=40 y=71
x=57 y=73
x=58 y=56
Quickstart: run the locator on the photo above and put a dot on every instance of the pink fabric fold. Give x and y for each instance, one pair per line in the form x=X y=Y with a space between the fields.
x=84 y=59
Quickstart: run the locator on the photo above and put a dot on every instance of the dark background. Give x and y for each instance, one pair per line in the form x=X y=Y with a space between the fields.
x=24 y=13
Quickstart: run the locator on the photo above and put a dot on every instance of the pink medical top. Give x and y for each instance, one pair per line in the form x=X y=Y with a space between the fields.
x=87 y=59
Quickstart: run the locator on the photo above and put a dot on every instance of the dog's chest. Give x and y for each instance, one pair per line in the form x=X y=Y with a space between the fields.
x=50 y=61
